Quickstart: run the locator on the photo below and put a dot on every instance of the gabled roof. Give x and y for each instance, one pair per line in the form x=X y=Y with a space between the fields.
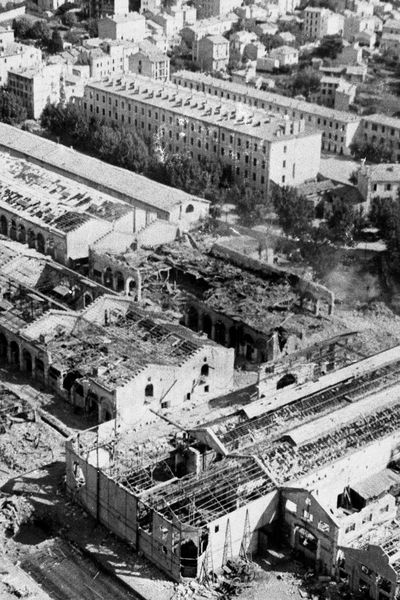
x=377 y=485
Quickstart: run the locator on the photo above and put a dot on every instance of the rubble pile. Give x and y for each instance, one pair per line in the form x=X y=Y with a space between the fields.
x=25 y=442
x=14 y=512
x=234 y=577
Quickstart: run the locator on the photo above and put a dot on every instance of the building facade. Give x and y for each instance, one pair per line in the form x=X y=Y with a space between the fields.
x=17 y=56
x=150 y=62
x=257 y=148
x=319 y=22
x=213 y=53
x=339 y=128
x=215 y=8
x=35 y=88
x=129 y=26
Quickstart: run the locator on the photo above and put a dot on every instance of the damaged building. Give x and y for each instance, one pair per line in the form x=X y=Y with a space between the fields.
x=29 y=268
x=47 y=185
x=113 y=359
x=253 y=306
x=319 y=466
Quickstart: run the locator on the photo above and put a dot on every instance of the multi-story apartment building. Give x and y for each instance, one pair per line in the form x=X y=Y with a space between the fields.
x=36 y=87
x=149 y=61
x=390 y=42
x=391 y=26
x=258 y=147
x=6 y=35
x=338 y=128
x=128 y=26
x=99 y=9
x=286 y=55
x=150 y=5
x=108 y=59
x=319 y=22
x=213 y=26
x=356 y=24
x=381 y=129
x=213 y=53
x=381 y=181
x=335 y=92
x=16 y=56
x=215 y=8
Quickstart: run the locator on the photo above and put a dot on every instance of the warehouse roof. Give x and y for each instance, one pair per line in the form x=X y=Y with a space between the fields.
x=91 y=171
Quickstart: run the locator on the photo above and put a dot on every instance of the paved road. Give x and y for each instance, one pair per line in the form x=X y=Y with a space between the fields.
x=66 y=574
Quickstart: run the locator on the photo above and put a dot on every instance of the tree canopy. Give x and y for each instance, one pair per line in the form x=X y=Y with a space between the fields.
x=295 y=213
x=306 y=82
x=11 y=110
x=375 y=152
x=330 y=46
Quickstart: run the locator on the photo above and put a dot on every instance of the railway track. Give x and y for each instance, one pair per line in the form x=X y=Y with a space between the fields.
x=64 y=573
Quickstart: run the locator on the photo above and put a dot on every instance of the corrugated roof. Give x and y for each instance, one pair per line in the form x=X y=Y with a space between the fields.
x=377 y=485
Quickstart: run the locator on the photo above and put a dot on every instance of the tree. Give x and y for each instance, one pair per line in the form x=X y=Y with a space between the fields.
x=66 y=7
x=270 y=41
x=69 y=19
x=40 y=31
x=251 y=205
x=374 y=152
x=56 y=43
x=295 y=213
x=73 y=37
x=306 y=82
x=93 y=27
x=65 y=121
x=21 y=27
x=11 y=111
x=341 y=222
x=330 y=47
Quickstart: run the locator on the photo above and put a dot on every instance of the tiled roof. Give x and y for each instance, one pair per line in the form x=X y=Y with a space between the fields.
x=92 y=171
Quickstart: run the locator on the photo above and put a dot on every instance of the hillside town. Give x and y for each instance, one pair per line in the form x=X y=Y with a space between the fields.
x=199 y=299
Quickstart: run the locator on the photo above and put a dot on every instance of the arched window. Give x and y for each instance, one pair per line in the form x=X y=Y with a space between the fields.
x=3 y=225
x=119 y=282
x=205 y=369
x=21 y=234
x=287 y=379
x=190 y=208
x=149 y=390
x=87 y=299
x=40 y=243
x=108 y=278
x=13 y=230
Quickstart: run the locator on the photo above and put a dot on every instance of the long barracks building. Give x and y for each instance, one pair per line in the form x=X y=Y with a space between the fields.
x=258 y=146
x=339 y=128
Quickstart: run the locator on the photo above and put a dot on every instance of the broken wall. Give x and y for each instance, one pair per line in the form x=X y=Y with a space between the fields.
x=237 y=533
x=302 y=510
x=160 y=543
x=330 y=481
x=110 y=503
x=371 y=566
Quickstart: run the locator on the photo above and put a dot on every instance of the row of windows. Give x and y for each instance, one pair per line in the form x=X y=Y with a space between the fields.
x=179 y=123
x=374 y=127
x=382 y=140
x=264 y=105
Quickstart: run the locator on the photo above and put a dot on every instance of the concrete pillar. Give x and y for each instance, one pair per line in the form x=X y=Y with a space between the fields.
x=212 y=336
x=139 y=286
x=317 y=307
